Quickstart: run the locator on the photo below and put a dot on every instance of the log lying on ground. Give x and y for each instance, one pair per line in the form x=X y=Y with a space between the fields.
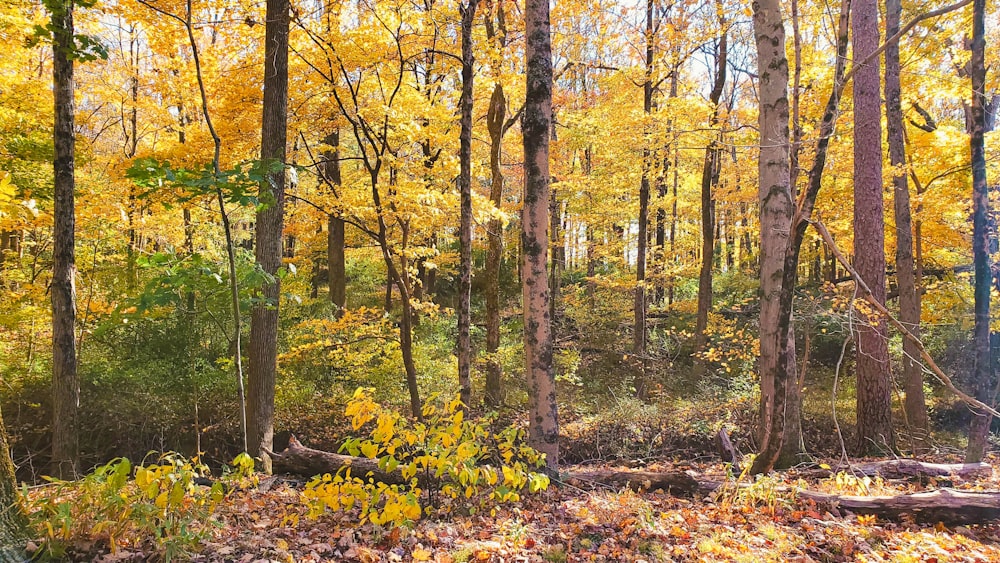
x=901 y=468
x=307 y=462
x=298 y=459
x=943 y=505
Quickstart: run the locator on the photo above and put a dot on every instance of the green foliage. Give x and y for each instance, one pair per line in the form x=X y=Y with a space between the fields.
x=157 y=505
x=240 y=184
x=449 y=463
x=84 y=48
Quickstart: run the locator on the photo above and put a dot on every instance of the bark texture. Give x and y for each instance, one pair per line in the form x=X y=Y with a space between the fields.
x=65 y=383
x=980 y=428
x=270 y=220
x=775 y=215
x=914 y=404
x=468 y=12
x=709 y=180
x=543 y=421
x=335 y=243
x=495 y=116
x=874 y=392
x=639 y=330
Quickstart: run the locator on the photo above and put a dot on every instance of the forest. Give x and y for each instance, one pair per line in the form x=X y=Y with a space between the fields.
x=493 y=280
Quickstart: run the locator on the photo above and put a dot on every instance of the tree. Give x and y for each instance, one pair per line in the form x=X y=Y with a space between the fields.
x=776 y=210
x=263 y=352
x=874 y=392
x=65 y=383
x=468 y=12
x=13 y=523
x=543 y=417
x=914 y=406
x=639 y=330
x=980 y=428
x=709 y=180
x=497 y=125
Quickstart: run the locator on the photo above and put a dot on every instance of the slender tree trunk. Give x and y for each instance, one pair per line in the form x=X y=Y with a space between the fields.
x=495 y=117
x=543 y=419
x=263 y=352
x=554 y=262
x=639 y=330
x=13 y=522
x=336 y=241
x=709 y=179
x=914 y=405
x=468 y=12
x=65 y=383
x=874 y=392
x=980 y=428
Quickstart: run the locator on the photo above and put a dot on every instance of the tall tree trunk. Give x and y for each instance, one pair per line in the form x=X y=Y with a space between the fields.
x=263 y=353
x=555 y=247
x=709 y=179
x=495 y=116
x=468 y=12
x=13 y=522
x=639 y=330
x=775 y=206
x=980 y=428
x=336 y=242
x=874 y=392
x=543 y=419
x=914 y=405
x=65 y=384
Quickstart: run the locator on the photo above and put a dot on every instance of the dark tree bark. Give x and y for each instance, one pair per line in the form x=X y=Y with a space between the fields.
x=468 y=12
x=65 y=383
x=874 y=392
x=495 y=124
x=709 y=180
x=336 y=242
x=270 y=220
x=980 y=428
x=543 y=419
x=13 y=522
x=914 y=405
x=639 y=330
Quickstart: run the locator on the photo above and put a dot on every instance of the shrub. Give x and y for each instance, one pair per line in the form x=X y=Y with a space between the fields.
x=449 y=463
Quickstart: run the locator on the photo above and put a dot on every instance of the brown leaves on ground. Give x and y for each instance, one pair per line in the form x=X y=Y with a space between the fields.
x=755 y=523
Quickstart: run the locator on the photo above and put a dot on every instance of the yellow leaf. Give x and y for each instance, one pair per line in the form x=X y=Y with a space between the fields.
x=421 y=555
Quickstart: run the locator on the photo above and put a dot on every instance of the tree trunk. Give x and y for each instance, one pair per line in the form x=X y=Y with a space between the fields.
x=13 y=522
x=543 y=419
x=982 y=379
x=270 y=220
x=874 y=392
x=639 y=331
x=468 y=12
x=335 y=243
x=914 y=405
x=709 y=179
x=495 y=116
x=775 y=216
x=65 y=383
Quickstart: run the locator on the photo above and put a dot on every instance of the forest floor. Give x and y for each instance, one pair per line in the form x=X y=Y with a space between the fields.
x=760 y=521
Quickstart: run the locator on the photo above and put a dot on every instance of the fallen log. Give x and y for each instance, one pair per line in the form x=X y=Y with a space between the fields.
x=676 y=483
x=949 y=506
x=902 y=468
x=298 y=459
